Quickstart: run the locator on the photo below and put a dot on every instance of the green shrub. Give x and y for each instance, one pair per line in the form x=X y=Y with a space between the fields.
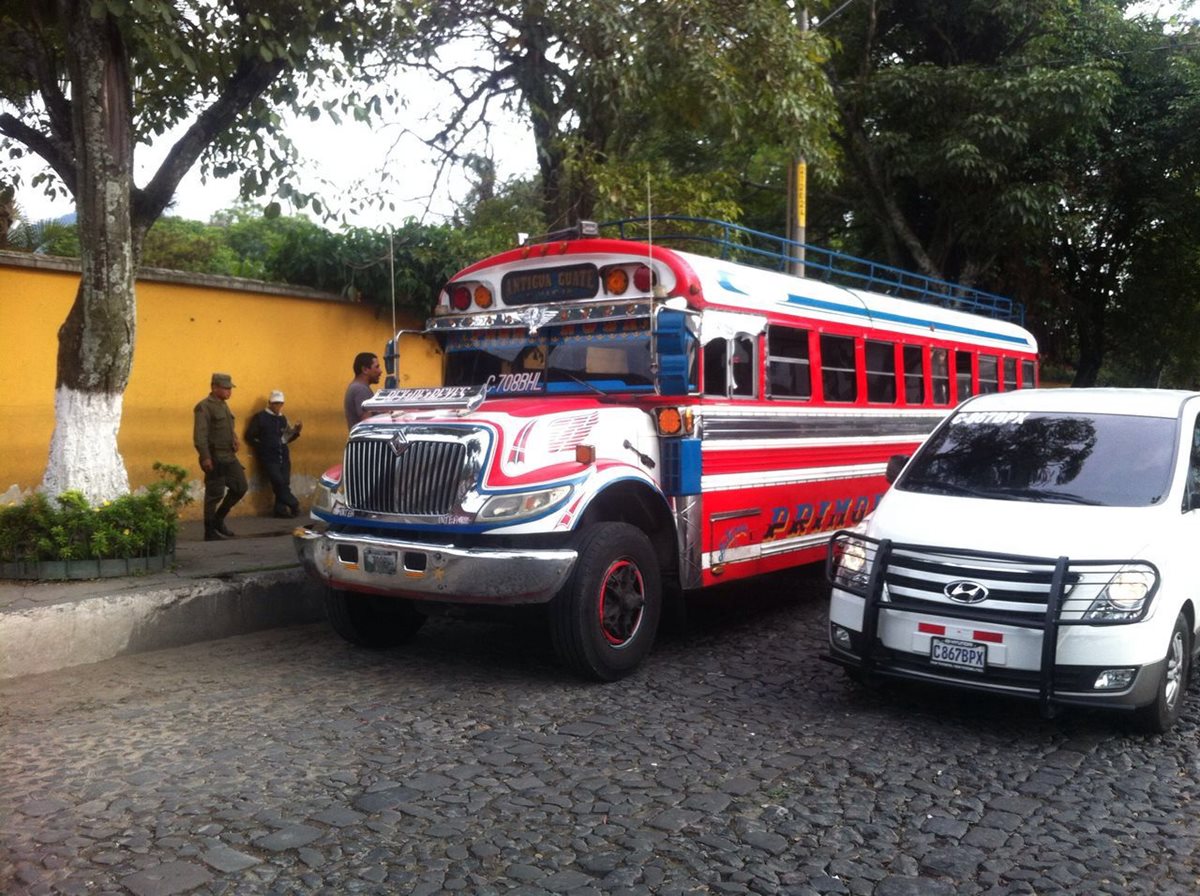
x=69 y=528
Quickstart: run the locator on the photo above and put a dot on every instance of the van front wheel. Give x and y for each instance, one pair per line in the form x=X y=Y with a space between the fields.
x=1160 y=716
x=604 y=620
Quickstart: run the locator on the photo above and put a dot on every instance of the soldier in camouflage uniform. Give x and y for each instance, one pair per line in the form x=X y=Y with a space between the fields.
x=216 y=442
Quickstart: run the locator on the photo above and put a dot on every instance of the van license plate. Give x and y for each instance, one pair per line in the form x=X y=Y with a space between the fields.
x=958 y=654
x=380 y=562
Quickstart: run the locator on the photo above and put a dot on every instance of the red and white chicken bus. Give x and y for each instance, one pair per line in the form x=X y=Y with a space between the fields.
x=620 y=421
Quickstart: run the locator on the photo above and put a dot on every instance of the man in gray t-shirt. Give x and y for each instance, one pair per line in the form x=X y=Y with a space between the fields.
x=366 y=374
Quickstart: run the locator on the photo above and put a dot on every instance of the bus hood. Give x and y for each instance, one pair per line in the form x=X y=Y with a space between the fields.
x=1036 y=529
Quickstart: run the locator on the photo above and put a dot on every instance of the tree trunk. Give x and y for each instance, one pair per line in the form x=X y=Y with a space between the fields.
x=95 y=344
x=1090 y=330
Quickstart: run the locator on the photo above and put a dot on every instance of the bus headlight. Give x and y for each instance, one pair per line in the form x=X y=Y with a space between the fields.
x=518 y=505
x=326 y=494
x=1124 y=598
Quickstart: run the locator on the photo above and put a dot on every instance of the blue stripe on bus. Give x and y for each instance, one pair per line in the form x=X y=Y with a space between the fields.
x=723 y=279
x=903 y=319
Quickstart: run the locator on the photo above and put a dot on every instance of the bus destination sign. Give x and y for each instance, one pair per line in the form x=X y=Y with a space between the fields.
x=532 y=287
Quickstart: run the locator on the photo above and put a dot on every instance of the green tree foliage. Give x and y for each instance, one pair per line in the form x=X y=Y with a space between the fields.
x=1037 y=148
x=957 y=115
x=614 y=90
x=1127 y=235
x=182 y=245
x=83 y=82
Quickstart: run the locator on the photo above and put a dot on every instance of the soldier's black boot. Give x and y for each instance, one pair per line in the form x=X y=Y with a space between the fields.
x=221 y=529
x=210 y=532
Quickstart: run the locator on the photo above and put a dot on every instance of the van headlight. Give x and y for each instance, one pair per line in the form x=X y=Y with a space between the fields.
x=1124 y=598
x=852 y=564
x=519 y=505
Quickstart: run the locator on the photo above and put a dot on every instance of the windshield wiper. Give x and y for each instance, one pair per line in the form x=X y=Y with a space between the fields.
x=584 y=383
x=941 y=487
x=1046 y=494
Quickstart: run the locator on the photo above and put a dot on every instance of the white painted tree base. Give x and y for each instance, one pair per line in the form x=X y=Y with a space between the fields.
x=83 y=449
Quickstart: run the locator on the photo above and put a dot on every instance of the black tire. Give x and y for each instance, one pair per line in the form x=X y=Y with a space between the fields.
x=1161 y=715
x=370 y=620
x=604 y=621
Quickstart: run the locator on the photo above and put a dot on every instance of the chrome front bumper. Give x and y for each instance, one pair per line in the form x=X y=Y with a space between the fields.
x=423 y=571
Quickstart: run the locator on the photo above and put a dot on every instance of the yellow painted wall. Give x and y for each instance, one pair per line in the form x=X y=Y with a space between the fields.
x=188 y=327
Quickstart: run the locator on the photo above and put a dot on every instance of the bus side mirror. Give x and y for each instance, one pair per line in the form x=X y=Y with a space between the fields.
x=389 y=364
x=894 y=465
x=673 y=345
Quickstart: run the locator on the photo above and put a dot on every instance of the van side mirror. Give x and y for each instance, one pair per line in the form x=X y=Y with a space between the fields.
x=894 y=465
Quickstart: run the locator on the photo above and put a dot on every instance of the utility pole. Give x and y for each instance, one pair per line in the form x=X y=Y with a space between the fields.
x=797 y=181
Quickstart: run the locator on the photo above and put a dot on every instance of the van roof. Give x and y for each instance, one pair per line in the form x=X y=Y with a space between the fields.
x=1137 y=402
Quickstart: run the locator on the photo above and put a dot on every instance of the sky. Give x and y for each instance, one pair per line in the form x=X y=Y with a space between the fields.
x=334 y=159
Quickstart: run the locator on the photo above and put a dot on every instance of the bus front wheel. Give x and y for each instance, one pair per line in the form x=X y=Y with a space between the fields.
x=370 y=620
x=604 y=620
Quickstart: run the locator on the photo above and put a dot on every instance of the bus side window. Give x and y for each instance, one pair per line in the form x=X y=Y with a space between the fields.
x=1010 y=375
x=881 y=372
x=715 y=357
x=789 y=372
x=1028 y=375
x=989 y=374
x=742 y=371
x=962 y=374
x=914 y=375
x=940 y=364
x=839 y=375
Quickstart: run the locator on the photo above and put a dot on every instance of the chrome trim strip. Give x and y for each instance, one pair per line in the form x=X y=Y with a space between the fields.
x=434 y=571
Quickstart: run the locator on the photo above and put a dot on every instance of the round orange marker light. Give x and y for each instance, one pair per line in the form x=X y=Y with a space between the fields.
x=616 y=281
x=669 y=421
x=483 y=296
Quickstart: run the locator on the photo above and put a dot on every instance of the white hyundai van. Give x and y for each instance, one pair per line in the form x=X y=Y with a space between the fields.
x=1043 y=543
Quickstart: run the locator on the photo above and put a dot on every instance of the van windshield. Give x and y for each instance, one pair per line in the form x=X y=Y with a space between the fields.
x=1103 y=459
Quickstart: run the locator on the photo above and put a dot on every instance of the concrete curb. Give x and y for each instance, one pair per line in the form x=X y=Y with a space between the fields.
x=45 y=639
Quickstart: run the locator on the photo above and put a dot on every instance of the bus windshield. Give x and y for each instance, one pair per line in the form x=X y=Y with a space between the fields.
x=608 y=357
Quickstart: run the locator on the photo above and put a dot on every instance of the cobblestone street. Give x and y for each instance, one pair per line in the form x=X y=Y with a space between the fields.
x=735 y=761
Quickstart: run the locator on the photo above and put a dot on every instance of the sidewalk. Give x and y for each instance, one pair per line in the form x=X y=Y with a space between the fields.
x=216 y=589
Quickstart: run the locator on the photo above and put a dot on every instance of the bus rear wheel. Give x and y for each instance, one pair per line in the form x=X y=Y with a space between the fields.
x=370 y=620
x=604 y=621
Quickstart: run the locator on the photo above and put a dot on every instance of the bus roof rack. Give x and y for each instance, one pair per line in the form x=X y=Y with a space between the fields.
x=580 y=230
x=746 y=246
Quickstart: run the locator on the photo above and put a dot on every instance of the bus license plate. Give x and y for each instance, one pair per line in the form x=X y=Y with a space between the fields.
x=380 y=562
x=958 y=654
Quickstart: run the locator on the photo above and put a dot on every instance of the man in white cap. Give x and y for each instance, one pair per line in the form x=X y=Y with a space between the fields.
x=269 y=435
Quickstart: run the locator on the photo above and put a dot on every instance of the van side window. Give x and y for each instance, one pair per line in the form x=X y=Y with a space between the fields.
x=789 y=372
x=914 y=375
x=962 y=374
x=881 y=372
x=989 y=374
x=839 y=374
x=939 y=360
x=1191 y=497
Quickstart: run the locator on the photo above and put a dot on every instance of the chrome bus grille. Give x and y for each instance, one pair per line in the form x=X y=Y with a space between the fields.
x=422 y=481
